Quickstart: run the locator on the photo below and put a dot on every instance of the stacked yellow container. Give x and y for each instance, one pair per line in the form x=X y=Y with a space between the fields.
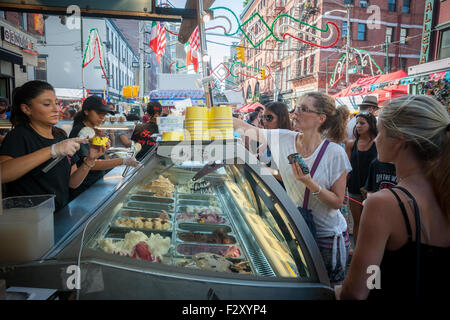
x=196 y=123
x=221 y=123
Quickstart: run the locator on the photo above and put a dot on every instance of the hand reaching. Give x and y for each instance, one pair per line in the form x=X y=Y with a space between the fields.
x=131 y=161
x=67 y=147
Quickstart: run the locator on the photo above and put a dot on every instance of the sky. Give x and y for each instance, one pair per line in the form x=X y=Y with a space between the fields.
x=218 y=52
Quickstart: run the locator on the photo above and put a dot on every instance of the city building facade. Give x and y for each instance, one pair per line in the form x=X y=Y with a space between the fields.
x=19 y=57
x=384 y=36
x=62 y=50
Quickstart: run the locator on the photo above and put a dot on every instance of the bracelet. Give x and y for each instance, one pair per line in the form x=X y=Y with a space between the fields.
x=87 y=165
x=317 y=192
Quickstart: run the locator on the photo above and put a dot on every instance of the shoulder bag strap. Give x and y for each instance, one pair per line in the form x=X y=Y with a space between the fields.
x=417 y=217
x=313 y=170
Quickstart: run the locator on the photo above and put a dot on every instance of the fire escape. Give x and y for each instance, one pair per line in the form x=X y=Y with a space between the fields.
x=306 y=11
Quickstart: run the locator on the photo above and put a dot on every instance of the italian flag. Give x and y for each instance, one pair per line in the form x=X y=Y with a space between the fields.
x=154 y=37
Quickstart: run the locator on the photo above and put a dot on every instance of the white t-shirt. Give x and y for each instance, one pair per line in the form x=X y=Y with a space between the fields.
x=329 y=222
x=350 y=126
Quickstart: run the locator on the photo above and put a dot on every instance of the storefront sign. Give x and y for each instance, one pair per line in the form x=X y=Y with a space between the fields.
x=18 y=39
x=426 y=35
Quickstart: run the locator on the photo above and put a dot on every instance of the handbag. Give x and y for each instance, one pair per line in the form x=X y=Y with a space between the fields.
x=305 y=212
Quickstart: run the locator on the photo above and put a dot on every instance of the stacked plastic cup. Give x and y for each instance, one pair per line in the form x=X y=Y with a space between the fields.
x=221 y=123
x=196 y=123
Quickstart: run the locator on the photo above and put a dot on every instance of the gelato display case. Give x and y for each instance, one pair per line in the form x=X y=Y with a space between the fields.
x=197 y=221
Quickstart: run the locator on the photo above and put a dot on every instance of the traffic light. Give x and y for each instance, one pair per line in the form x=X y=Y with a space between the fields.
x=263 y=74
x=240 y=53
x=127 y=92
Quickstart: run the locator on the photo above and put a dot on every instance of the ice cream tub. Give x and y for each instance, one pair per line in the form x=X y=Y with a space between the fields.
x=142 y=223
x=141 y=192
x=203 y=218
x=143 y=213
x=198 y=209
x=206 y=237
x=149 y=206
x=188 y=250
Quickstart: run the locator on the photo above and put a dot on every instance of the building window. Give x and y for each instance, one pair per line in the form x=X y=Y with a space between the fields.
x=444 y=47
x=305 y=65
x=389 y=34
x=313 y=60
x=361 y=31
x=345 y=29
x=364 y=3
x=402 y=64
x=41 y=69
x=348 y=1
x=392 y=5
x=403 y=36
x=406 y=6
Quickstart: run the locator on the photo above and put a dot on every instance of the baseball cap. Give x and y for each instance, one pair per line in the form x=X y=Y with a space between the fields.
x=96 y=103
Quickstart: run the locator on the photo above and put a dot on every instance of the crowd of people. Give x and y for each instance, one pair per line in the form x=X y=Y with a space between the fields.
x=390 y=165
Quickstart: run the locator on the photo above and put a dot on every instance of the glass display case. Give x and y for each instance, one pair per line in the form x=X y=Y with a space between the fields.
x=221 y=226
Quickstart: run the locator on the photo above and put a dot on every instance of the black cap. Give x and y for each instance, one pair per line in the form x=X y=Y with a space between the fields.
x=96 y=103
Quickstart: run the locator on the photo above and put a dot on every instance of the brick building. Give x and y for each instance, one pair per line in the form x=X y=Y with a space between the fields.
x=297 y=68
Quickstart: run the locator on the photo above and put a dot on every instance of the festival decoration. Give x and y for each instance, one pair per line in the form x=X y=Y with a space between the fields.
x=362 y=60
x=239 y=68
x=256 y=30
x=94 y=42
x=158 y=40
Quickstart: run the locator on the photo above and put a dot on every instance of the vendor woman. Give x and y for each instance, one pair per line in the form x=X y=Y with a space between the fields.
x=33 y=143
x=92 y=115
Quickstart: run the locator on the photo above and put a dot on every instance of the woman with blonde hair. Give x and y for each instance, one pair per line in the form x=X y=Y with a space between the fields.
x=319 y=194
x=404 y=233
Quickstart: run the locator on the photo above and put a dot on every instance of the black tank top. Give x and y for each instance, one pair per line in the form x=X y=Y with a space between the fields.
x=360 y=161
x=416 y=269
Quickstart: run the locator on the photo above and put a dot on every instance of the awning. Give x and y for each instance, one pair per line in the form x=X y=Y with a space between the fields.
x=249 y=107
x=69 y=94
x=10 y=56
x=377 y=85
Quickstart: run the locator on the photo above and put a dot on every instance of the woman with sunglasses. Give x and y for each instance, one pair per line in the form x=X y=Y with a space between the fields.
x=361 y=152
x=275 y=116
x=316 y=116
x=405 y=230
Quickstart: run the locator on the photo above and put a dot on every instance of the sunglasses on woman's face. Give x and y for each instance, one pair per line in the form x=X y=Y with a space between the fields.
x=302 y=109
x=268 y=118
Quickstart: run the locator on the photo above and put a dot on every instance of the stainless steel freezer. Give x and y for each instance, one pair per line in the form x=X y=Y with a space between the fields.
x=233 y=233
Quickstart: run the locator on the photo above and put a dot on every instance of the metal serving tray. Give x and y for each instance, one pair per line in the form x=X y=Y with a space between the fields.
x=152 y=206
x=203 y=227
x=124 y=212
x=119 y=235
x=188 y=249
x=183 y=209
x=147 y=198
x=149 y=193
x=199 y=203
x=114 y=227
x=180 y=220
x=204 y=241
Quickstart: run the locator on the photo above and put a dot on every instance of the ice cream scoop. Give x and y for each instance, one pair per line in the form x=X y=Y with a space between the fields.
x=86 y=133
